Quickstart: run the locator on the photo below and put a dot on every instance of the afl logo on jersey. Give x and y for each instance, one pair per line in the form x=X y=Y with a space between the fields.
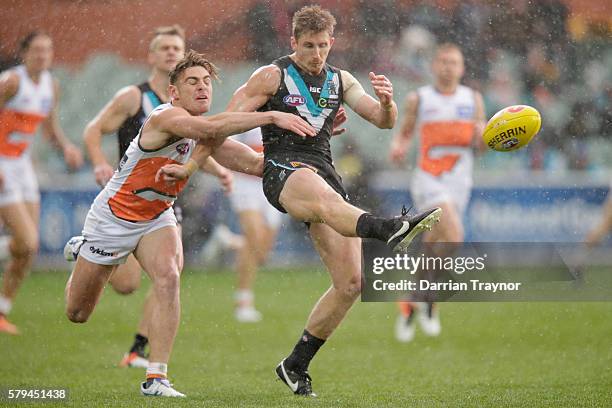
x=183 y=148
x=294 y=100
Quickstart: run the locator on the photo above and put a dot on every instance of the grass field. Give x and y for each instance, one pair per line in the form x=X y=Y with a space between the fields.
x=489 y=354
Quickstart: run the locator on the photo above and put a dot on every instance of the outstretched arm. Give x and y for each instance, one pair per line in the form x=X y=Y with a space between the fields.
x=382 y=113
x=177 y=122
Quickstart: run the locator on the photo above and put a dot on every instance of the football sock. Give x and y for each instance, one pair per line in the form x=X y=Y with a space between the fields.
x=370 y=226
x=139 y=345
x=5 y=305
x=244 y=297
x=406 y=308
x=156 y=370
x=303 y=352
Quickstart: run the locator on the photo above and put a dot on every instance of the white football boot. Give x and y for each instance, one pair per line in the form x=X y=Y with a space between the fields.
x=429 y=319
x=72 y=248
x=159 y=387
x=404 y=328
x=247 y=314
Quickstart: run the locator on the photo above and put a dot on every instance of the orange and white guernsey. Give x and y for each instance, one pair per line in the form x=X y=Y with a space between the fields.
x=23 y=113
x=132 y=194
x=445 y=128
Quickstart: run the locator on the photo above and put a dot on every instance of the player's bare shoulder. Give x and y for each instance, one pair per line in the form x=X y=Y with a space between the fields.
x=261 y=86
x=160 y=119
x=127 y=100
x=266 y=79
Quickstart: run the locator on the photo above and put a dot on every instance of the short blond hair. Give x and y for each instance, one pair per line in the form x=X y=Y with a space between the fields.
x=314 y=19
x=166 y=30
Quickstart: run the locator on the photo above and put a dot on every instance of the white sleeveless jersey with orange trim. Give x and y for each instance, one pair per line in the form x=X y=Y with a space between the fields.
x=445 y=126
x=132 y=194
x=23 y=113
x=251 y=138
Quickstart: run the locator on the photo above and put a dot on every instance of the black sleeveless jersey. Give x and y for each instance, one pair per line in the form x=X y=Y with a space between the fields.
x=149 y=100
x=314 y=98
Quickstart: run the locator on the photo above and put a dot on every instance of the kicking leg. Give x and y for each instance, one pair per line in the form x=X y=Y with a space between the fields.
x=307 y=197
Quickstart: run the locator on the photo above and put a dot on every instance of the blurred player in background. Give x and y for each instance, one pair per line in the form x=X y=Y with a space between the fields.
x=603 y=228
x=124 y=115
x=300 y=178
x=259 y=222
x=449 y=119
x=29 y=99
x=133 y=213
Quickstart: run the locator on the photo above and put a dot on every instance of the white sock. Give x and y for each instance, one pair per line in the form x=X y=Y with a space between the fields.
x=244 y=297
x=5 y=250
x=157 y=369
x=5 y=305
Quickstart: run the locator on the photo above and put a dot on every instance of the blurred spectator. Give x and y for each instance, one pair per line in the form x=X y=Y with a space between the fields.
x=414 y=54
x=468 y=31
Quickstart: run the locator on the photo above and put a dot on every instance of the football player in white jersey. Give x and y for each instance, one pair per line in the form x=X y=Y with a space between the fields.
x=448 y=119
x=133 y=213
x=29 y=98
x=124 y=115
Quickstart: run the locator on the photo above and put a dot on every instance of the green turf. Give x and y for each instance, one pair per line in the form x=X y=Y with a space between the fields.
x=489 y=354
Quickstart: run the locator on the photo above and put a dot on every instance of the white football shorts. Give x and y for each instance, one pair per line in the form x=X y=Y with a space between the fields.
x=248 y=196
x=429 y=191
x=109 y=240
x=19 y=181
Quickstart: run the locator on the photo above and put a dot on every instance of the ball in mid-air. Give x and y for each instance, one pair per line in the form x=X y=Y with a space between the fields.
x=512 y=128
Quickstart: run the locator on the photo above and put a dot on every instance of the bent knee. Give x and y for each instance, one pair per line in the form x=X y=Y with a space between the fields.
x=351 y=289
x=168 y=280
x=77 y=315
x=24 y=249
x=125 y=289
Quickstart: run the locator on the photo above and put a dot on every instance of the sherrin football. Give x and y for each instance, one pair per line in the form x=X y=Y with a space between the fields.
x=512 y=128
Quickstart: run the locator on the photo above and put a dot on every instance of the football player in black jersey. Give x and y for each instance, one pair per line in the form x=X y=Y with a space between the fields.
x=300 y=179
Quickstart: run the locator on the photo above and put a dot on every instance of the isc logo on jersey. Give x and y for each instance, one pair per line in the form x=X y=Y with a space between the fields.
x=294 y=100
x=512 y=128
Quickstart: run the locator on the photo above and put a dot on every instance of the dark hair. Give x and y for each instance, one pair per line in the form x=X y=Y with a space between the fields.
x=313 y=18
x=26 y=41
x=167 y=30
x=193 y=59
